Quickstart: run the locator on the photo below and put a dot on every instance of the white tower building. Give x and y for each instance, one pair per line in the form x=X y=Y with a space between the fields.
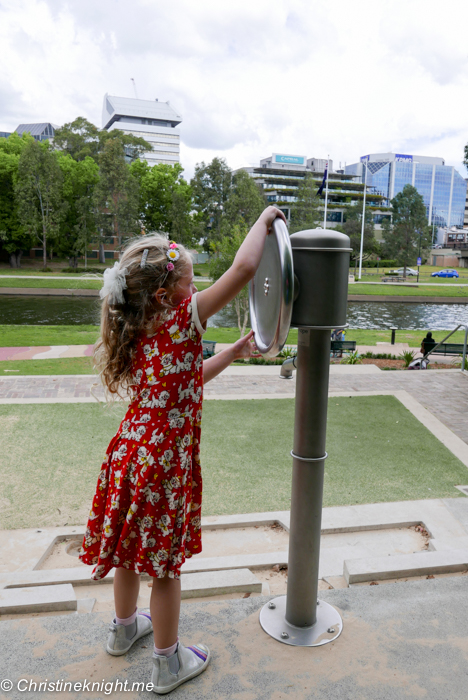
x=154 y=121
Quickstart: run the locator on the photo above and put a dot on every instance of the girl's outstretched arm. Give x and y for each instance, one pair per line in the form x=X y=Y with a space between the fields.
x=243 y=348
x=245 y=264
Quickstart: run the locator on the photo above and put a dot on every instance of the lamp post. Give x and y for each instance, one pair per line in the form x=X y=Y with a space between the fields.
x=363 y=218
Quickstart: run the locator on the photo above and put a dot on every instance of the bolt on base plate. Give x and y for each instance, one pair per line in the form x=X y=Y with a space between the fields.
x=328 y=627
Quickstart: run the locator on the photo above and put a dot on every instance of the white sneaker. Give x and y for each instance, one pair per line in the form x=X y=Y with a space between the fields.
x=118 y=644
x=171 y=671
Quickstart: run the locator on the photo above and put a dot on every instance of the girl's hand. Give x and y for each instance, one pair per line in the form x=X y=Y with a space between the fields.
x=270 y=214
x=245 y=347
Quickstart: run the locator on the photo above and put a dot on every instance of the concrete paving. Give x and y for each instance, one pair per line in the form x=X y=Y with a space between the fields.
x=403 y=640
x=400 y=640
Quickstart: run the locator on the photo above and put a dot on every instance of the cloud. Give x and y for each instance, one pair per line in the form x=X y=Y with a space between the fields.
x=249 y=78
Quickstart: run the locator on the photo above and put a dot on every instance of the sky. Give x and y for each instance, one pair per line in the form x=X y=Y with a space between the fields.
x=250 y=77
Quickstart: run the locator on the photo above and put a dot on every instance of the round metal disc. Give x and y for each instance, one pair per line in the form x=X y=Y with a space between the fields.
x=271 y=292
x=328 y=627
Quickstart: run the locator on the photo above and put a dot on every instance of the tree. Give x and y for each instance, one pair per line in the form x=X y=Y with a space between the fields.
x=165 y=200
x=245 y=201
x=352 y=227
x=408 y=232
x=13 y=237
x=79 y=181
x=226 y=251
x=115 y=195
x=211 y=187
x=305 y=213
x=38 y=193
x=81 y=139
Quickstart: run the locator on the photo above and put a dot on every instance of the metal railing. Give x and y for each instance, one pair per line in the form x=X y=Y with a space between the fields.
x=460 y=325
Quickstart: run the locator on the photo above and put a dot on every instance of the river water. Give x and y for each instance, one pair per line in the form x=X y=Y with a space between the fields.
x=85 y=310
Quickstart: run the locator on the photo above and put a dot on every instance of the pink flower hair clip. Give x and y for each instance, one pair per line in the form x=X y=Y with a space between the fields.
x=173 y=254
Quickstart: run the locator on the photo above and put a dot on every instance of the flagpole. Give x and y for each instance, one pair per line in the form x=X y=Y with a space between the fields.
x=363 y=220
x=326 y=197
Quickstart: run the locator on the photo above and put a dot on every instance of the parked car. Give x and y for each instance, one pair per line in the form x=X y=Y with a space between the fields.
x=437 y=246
x=445 y=273
x=409 y=272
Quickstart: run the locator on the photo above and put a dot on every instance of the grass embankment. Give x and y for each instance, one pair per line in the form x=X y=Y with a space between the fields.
x=35 y=336
x=72 y=283
x=377 y=453
x=30 y=267
x=402 y=290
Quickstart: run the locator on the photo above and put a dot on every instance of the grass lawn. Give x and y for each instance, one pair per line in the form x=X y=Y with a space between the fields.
x=72 y=283
x=30 y=336
x=66 y=365
x=394 y=290
x=378 y=452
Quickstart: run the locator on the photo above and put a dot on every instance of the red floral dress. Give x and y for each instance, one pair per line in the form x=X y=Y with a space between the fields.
x=147 y=508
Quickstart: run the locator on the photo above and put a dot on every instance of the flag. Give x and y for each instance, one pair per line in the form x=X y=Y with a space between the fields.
x=325 y=174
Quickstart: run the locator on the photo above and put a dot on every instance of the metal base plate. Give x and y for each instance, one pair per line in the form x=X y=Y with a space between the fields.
x=328 y=627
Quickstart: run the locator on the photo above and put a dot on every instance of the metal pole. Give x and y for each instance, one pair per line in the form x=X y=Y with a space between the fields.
x=464 y=350
x=326 y=198
x=363 y=221
x=313 y=363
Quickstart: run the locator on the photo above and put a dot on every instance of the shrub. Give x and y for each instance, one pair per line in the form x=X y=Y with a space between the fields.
x=407 y=356
x=352 y=359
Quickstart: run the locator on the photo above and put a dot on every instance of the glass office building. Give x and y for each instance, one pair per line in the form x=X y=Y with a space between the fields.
x=441 y=186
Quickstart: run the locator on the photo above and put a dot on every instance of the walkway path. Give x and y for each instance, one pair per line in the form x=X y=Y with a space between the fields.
x=51 y=352
x=443 y=392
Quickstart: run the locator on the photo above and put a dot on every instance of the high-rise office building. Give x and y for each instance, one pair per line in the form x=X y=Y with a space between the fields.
x=154 y=121
x=442 y=187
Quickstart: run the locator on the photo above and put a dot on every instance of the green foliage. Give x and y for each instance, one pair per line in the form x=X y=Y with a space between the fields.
x=38 y=193
x=13 y=237
x=408 y=233
x=81 y=139
x=220 y=263
x=211 y=187
x=407 y=356
x=351 y=359
x=352 y=227
x=116 y=194
x=287 y=352
x=78 y=225
x=377 y=263
x=245 y=201
x=379 y=356
x=305 y=213
x=165 y=200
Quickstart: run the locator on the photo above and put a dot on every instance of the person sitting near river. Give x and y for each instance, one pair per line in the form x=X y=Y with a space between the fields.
x=428 y=343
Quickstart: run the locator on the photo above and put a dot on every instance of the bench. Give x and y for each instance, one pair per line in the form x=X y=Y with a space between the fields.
x=208 y=348
x=449 y=349
x=338 y=347
x=392 y=278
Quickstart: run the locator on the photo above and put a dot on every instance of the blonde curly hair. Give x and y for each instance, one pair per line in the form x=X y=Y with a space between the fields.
x=140 y=312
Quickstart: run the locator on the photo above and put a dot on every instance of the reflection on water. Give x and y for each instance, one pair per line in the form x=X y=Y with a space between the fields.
x=406 y=316
x=85 y=310
x=53 y=311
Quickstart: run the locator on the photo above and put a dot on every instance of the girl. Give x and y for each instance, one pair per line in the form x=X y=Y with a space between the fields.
x=146 y=513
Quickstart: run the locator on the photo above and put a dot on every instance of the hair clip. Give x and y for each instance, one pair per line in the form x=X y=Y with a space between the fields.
x=170 y=267
x=173 y=254
x=143 y=258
